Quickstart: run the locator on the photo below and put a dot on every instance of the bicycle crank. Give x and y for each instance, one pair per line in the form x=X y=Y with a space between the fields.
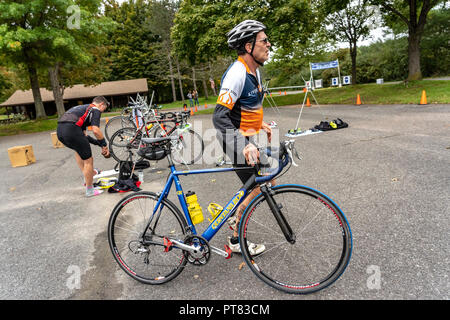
x=200 y=256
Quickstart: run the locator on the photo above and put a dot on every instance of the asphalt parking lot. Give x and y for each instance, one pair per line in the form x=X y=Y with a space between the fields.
x=388 y=171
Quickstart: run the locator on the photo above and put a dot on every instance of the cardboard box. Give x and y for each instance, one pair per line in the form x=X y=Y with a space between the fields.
x=21 y=155
x=55 y=142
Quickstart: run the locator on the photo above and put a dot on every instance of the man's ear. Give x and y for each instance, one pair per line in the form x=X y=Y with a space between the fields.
x=248 y=47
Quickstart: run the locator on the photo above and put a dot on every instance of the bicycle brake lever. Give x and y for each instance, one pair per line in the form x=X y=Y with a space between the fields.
x=292 y=158
x=296 y=153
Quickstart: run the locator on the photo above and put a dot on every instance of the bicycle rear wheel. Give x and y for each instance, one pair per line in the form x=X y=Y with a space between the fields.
x=141 y=253
x=116 y=123
x=322 y=247
x=124 y=144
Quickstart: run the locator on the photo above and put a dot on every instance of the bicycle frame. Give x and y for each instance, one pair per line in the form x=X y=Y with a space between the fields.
x=227 y=211
x=217 y=223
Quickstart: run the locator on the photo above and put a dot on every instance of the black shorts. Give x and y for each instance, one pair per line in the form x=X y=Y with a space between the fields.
x=73 y=137
x=238 y=162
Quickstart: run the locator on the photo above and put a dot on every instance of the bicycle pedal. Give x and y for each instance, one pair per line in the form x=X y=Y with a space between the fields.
x=229 y=252
x=167 y=245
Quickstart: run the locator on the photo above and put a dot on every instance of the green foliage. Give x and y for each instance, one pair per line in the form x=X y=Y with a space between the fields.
x=133 y=51
x=199 y=33
x=437 y=92
x=435 y=44
x=37 y=34
x=39 y=28
x=5 y=84
x=386 y=59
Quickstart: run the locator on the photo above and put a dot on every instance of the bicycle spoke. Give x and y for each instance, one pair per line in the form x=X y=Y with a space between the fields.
x=140 y=258
x=313 y=259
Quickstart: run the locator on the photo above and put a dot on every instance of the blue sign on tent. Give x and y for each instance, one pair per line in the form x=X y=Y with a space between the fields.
x=324 y=65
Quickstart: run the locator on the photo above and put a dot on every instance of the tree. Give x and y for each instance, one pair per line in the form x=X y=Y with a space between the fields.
x=413 y=13
x=200 y=26
x=86 y=29
x=159 y=23
x=5 y=84
x=34 y=33
x=351 y=25
x=435 y=45
x=133 y=50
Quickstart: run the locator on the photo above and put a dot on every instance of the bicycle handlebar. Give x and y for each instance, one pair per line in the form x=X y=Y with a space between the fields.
x=284 y=155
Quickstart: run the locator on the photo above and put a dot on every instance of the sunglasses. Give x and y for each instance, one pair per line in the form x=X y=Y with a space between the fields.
x=265 y=40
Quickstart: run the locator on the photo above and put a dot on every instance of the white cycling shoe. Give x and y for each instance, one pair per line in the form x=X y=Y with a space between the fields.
x=253 y=248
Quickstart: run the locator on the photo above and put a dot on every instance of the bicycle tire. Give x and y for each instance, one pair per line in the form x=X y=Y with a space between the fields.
x=125 y=230
x=188 y=148
x=158 y=131
x=124 y=145
x=297 y=268
x=116 y=123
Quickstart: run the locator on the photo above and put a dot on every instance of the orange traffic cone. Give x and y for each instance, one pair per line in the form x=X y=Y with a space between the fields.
x=423 y=99
x=285 y=93
x=196 y=110
x=304 y=89
x=358 y=100
x=192 y=112
x=185 y=107
x=106 y=120
x=308 y=104
x=280 y=92
x=206 y=106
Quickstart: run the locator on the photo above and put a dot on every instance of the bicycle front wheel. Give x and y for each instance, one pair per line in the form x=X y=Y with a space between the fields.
x=322 y=246
x=188 y=148
x=141 y=251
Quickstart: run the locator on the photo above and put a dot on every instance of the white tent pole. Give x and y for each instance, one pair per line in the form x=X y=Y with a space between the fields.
x=339 y=73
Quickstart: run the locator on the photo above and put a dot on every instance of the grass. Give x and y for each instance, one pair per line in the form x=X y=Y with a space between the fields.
x=30 y=126
x=436 y=92
x=179 y=104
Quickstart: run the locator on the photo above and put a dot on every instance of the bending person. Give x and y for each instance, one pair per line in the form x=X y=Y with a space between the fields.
x=71 y=132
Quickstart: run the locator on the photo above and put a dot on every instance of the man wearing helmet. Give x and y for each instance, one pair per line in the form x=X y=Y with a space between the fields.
x=239 y=114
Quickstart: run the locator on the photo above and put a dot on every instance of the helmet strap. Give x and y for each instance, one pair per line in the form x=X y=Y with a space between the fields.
x=251 y=52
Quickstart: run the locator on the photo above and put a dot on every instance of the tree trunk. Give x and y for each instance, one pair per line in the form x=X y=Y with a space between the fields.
x=414 y=72
x=179 y=79
x=353 y=53
x=172 y=81
x=211 y=78
x=53 y=73
x=193 y=79
x=34 y=82
x=205 y=88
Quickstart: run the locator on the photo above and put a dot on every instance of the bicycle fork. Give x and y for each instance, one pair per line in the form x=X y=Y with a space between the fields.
x=279 y=217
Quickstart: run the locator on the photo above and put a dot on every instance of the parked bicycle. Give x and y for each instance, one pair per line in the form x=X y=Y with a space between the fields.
x=187 y=145
x=132 y=116
x=307 y=238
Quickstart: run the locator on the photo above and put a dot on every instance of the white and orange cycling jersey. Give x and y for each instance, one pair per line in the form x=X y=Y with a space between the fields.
x=239 y=104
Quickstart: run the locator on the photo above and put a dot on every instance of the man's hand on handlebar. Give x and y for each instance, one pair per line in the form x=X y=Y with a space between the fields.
x=251 y=154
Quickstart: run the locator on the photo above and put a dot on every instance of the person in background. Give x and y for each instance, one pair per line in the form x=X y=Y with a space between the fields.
x=191 y=102
x=195 y=96
x=71 y=132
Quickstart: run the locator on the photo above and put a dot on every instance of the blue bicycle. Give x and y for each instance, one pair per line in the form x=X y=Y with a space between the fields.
x=306 y=236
